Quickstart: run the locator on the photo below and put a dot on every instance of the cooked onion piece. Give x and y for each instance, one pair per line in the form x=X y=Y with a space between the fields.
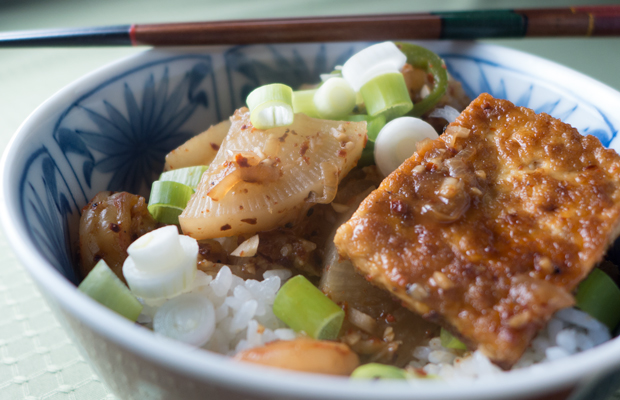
x=199 y=150
x=247 y=249
x=247 y=190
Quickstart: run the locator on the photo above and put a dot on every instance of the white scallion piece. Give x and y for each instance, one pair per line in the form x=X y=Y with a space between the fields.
x=271 y=106
x=161 y=264
x=397 y=140
x=371 y=62
x=335 y=99
x=189 y=318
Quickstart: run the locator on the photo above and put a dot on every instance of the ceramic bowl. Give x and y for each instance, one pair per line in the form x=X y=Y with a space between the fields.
x=110 y=131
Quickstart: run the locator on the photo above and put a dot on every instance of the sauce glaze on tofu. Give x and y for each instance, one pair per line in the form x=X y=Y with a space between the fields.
x=488 y=229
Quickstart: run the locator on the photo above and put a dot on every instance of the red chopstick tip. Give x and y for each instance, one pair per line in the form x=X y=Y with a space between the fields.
x=132 y=35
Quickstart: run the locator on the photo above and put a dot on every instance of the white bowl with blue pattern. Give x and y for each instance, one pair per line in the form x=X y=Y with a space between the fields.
x=110 y=131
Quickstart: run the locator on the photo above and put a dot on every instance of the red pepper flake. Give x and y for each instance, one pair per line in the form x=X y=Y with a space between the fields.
x=342 y=153
x=244 y=127
x=242 y=161
x=215 y=146
x=225 y=227
x=390 y=319
x=251 y=221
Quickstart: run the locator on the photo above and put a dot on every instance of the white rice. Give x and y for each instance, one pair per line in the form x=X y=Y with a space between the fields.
x=243 y=310
x=570 y=331
x=244 y=319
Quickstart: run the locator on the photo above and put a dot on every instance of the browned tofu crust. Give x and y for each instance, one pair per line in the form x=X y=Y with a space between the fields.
x=488 y=229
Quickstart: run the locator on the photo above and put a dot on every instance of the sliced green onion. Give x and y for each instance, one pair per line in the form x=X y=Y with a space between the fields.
x=271 y=106
x=303 y=307
x=167 y=200
x=368 y=155
x=103 y=286
x=379 y=371
x=450 y=342
x=373 y=127
x=374 y=124
x=303 y=102
x=397 y=140
x=599 y=296
x=373 y=61
x=419 y=57
x=189 y=318
x=333 y=74
x=161 y=264
x=189 y=176
x=335 y=99
x=387 y=94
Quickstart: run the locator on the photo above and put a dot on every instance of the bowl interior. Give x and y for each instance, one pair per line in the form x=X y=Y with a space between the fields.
x=114 y=134
x=112 y=129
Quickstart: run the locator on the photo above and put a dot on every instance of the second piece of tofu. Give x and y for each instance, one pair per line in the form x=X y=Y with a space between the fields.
x=489 y=228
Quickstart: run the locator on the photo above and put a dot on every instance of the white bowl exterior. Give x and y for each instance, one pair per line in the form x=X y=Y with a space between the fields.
x=138 y=364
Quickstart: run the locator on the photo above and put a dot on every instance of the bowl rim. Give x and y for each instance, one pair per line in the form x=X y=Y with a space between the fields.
x=222 y=370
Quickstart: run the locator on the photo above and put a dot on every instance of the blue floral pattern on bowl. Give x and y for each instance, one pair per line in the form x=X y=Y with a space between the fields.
x=115 y=136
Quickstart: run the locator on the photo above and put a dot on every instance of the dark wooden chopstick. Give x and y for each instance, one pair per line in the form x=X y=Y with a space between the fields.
x=573 y=21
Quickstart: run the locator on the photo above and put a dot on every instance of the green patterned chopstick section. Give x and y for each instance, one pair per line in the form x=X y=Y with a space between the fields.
x=476 y=24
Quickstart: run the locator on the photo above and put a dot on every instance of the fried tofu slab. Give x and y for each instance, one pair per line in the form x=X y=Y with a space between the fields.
x=488 y=229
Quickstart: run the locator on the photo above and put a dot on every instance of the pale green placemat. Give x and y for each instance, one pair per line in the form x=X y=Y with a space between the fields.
x=37 y=359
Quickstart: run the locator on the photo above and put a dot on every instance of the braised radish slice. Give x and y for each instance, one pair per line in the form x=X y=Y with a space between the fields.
x=261 y=179
x=199 y=150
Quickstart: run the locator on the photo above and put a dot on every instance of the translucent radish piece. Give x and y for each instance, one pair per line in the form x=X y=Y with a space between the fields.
x=397 y=140
x=167 y=201
x=335 y=99
x=189 y=318
x=103 y=286
x=161 y=264
x=271 y=106
x=199 y=150
x=254 y=205
x=373 y=61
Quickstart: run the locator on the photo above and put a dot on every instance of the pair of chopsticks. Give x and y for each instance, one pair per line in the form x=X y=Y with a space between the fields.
x=573 y=21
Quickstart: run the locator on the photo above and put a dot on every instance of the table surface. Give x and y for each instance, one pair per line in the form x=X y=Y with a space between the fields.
x=37 y=358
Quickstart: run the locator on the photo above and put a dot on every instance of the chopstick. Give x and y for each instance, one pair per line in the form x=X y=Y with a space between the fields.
x=573 y=21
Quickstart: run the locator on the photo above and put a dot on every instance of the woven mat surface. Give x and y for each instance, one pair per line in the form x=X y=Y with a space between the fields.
x=37 y=358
